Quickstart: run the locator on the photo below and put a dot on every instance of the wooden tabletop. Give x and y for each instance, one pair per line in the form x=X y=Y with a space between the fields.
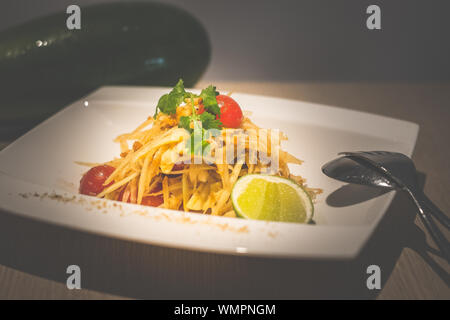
x=34 y=255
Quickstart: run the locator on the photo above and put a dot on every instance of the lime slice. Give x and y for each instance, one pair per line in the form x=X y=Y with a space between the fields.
x=265 y=197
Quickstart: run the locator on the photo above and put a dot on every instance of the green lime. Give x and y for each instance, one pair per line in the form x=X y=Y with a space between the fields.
x=265 y=197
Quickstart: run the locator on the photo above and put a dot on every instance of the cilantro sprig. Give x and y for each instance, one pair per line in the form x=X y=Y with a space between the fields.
x=208 y=96
x=201 y=123
x=196 y=124
x=169 y=102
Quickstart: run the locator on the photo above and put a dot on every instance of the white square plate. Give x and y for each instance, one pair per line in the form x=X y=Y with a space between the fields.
x=39 y=177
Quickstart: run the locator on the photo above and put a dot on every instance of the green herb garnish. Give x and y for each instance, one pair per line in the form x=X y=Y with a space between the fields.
x=208 y=96
x=196 y=124
x=169 y=102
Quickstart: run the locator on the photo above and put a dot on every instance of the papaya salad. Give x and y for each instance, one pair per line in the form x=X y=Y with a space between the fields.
x=192 y=154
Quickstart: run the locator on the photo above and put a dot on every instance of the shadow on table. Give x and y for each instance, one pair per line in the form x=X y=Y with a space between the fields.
x=144 y=271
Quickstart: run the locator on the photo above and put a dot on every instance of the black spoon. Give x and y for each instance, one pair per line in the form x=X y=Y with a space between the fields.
x=394 y=171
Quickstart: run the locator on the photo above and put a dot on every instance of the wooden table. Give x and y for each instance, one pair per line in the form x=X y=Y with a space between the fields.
x=34 y=255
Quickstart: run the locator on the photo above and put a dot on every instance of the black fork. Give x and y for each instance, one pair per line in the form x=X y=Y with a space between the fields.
x=400 y=169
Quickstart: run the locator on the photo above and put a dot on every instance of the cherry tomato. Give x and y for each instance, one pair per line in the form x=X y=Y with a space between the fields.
x=122 y=195
x=201 y=109
x=125 y=194
x=230 y=112
x=153 y=201
x=92 y=181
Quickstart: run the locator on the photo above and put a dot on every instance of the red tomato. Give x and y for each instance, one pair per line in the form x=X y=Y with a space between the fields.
x=125 y=194
x=201 y=109
x=92 y=181
x=230 y=112
x=122 y=195
x=153 y=201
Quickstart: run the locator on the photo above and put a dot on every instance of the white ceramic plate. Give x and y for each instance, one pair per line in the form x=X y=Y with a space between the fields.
x=39 y=177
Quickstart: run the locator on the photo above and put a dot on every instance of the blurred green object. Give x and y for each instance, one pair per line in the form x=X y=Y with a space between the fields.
x=44 y=65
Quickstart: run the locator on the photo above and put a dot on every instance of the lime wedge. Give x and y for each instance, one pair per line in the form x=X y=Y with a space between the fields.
x=265 y=197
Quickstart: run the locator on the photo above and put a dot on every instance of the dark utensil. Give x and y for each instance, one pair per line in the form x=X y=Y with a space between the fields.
x=390 y=170
x=353 y=170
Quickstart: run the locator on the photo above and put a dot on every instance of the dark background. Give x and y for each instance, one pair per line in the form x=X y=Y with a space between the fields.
x=318 y=40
